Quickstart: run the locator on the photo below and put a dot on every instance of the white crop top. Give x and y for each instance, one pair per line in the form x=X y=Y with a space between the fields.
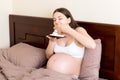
x=71 y=49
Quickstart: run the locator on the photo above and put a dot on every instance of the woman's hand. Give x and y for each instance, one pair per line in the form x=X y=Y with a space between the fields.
x=50 y=48
x=62 y=28
x=53 y=39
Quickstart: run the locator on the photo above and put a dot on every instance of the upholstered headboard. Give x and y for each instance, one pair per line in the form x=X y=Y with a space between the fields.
x=33 y=30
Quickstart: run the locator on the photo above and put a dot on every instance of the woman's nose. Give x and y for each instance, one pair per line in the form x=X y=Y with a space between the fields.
x=56 y=22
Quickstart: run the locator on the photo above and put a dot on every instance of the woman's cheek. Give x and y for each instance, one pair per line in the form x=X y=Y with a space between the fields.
x=63 y=22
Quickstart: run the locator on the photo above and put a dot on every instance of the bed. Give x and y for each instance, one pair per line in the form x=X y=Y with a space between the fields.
x=33 y=31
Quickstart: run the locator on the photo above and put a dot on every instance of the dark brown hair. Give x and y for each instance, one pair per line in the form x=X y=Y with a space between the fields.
x=67 y=13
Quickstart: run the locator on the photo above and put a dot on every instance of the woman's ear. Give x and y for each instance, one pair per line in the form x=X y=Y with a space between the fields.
x=69 y=20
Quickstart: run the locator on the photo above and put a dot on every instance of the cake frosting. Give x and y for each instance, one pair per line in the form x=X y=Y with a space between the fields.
x=56 y=34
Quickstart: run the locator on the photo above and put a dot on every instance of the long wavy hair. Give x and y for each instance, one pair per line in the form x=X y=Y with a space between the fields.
x=67 y=13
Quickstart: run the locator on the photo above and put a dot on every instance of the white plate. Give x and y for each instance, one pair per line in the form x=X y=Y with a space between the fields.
x=58 y=35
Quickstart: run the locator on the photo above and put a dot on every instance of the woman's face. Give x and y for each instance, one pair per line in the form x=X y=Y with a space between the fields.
x=59 y=18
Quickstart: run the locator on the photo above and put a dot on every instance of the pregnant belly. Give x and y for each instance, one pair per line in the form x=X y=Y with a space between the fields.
x=64 y=63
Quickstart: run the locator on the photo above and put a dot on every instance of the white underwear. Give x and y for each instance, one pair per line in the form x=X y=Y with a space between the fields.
x=72 y=50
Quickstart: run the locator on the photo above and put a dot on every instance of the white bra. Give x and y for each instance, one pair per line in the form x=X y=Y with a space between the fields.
x=71 y=49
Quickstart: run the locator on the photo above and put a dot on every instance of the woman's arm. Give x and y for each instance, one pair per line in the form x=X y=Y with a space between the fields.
x=81 y=35
x=49 y=50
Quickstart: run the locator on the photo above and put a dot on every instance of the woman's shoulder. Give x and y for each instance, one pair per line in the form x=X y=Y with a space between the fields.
x=80 y=29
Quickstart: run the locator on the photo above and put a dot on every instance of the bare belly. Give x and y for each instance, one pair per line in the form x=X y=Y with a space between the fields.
x=64 y=63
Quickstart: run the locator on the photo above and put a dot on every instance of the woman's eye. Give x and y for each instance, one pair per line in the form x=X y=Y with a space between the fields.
x=60 y=18
x=57 y=19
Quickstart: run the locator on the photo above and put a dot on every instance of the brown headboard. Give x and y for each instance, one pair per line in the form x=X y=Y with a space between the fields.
x=33 y=30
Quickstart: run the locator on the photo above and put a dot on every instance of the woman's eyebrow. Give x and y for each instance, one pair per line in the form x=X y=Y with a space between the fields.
x=57 y=17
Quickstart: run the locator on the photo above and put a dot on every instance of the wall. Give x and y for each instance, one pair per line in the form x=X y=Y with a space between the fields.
x=105 y=11
x=5 y=10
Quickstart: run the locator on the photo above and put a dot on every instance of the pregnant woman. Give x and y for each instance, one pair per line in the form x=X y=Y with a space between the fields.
x=65 y=54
